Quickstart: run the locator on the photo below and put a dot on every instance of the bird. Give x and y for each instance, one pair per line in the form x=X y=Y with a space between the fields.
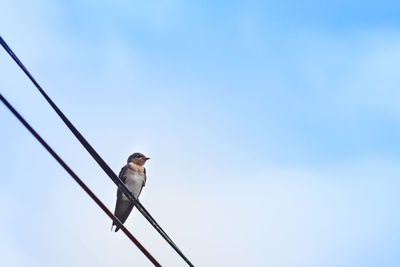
x=133 y=175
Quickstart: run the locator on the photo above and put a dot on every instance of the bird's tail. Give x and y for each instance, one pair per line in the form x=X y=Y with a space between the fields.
x=116 y=227
x=122 y=211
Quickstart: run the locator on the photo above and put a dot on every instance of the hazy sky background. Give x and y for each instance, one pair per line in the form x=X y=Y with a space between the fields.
x=272 y=126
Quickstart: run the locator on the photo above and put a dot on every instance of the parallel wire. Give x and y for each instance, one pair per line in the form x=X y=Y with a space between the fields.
x=97 y=157
x=79 y=181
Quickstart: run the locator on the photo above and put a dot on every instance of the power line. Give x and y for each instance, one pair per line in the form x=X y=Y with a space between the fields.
x=79 y=181
x=97 y=157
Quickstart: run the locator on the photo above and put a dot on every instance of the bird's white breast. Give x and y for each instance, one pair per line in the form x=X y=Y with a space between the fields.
x=134 y=182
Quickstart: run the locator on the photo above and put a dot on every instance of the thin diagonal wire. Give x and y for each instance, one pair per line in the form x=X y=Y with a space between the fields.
x=97 y=157
x=79 y=181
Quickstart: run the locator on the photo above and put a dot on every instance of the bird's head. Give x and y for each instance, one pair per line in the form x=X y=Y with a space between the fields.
x=138 y=159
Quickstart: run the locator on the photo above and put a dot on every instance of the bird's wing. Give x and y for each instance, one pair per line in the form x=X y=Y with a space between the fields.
x=122 y=172
x=144 y=183
x=122 y=207
x=121 y=176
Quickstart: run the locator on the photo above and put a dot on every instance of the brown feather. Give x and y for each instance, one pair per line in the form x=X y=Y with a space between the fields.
x=123 y=206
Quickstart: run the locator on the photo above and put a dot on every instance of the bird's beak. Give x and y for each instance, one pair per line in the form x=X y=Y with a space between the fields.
x=147 y=158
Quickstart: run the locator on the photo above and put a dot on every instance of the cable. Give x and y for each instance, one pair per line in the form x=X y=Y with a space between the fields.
x=97 y=157
x=79 y=181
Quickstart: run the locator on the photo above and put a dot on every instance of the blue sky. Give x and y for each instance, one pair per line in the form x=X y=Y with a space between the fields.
x=272 y=129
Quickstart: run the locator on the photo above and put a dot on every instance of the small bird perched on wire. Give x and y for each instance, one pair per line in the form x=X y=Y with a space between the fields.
x=133 y=175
